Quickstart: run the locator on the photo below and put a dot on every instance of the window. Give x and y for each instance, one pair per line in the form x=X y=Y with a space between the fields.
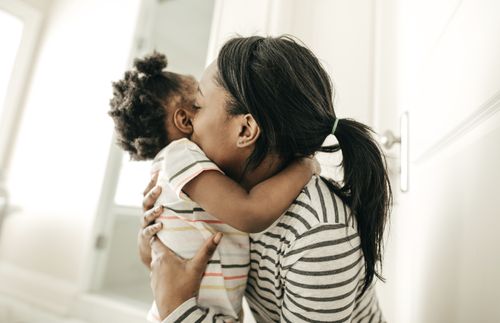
x=10 y=45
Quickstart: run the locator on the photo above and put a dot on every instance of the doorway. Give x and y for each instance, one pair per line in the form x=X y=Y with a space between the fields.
x=180 y=30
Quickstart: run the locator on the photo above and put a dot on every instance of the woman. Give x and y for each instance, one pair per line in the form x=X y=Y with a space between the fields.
x=317 y=262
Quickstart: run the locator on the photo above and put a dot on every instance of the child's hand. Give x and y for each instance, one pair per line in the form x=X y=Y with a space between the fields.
x=310 y=164
x=316 y=166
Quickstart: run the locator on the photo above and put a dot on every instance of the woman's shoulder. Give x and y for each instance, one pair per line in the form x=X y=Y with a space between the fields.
x=317 y=212
x=318 y=204
x=317 y=225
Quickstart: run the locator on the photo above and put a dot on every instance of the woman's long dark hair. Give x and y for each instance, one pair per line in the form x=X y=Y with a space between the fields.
x=285 y=88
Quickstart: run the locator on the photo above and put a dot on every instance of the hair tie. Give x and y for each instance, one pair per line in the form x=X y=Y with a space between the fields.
x=335 y=125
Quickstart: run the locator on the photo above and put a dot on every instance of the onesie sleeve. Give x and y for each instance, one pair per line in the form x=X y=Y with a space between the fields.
x=182 y=161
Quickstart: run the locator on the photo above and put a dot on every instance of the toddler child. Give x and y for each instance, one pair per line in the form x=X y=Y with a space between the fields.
x=152 y=110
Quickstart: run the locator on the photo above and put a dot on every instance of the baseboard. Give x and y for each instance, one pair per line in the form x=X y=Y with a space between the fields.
x=95 y=308
x=64 y=299
x=39 y=289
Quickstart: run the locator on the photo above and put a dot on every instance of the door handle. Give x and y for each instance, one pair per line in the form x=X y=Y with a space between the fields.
x=388 y=139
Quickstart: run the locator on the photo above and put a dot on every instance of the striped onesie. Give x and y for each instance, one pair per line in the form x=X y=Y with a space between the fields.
x=186 y=227
x=308 y=266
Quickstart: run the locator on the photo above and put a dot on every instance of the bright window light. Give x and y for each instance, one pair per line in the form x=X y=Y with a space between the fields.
x=134 y=177
x=11 y=38
x=168 y=36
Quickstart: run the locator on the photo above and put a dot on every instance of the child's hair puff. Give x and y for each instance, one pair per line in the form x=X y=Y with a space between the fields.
x=138 y=106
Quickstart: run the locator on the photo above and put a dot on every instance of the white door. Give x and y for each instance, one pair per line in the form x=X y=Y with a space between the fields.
x=440 y=61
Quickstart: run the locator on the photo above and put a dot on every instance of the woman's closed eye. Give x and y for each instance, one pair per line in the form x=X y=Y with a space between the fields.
x=196 y=107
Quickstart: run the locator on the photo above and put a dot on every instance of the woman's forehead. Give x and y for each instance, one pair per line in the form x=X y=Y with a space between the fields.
x=208 y=75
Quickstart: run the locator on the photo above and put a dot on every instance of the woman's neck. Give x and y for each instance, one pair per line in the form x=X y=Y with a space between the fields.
x=270 y=166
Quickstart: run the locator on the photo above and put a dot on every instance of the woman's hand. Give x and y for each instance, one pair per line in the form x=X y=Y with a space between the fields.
x=175 y=280
x=148 y=227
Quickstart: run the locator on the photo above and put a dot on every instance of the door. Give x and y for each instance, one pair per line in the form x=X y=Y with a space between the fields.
x=439 y=62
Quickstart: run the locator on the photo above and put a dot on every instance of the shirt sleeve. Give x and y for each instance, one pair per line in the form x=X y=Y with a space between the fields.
x=182 y=161
x=189 y=311
x=323 y=270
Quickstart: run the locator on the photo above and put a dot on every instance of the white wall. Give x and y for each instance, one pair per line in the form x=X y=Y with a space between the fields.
x=181 y=30
x=443 y=249
x=62 y=147
x=339 y=32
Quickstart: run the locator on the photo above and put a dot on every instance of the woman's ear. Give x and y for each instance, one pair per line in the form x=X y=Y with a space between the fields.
x=249 y=131
x=182 y=121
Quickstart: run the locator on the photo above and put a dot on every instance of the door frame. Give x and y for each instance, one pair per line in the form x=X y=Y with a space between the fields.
x=107 y=209
x=20 y=76
x=18 y=86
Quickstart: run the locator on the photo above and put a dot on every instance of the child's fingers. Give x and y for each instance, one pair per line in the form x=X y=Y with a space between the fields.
x=317 y=166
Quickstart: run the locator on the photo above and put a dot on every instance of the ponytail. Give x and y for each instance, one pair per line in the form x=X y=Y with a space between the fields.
x=285 y=88
x=366 y=189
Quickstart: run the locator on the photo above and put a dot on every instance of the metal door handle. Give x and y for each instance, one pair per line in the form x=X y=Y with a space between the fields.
x=388 y=139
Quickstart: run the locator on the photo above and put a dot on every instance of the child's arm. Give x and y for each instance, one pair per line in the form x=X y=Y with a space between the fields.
x=256 y=210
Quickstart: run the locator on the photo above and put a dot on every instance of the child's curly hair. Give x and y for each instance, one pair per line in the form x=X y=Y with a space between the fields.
x=138 y=106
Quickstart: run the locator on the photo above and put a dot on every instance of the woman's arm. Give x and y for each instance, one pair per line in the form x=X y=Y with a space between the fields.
x=256 y=210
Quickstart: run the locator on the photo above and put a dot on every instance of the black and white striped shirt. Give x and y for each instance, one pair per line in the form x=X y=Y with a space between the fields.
x=306 y=267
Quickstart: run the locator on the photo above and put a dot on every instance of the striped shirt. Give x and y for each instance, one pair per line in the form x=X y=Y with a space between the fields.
x=306 y=267
x=187 y=227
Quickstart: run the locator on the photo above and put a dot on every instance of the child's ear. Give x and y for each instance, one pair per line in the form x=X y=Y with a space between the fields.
x=249 y=131
x=182 y=120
